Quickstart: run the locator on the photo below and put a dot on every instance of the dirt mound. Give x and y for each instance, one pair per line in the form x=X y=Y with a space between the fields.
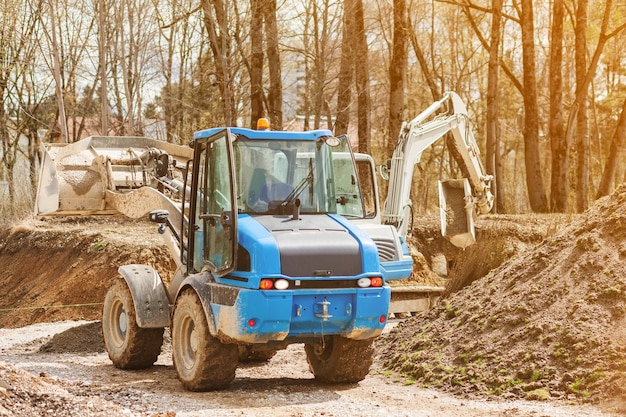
x=548 y=324
x=86 y=338
x=57 y=269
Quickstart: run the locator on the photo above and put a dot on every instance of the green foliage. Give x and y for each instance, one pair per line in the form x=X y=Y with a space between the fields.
x=540 y=394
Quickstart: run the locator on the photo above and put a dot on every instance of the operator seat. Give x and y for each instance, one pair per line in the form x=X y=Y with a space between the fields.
x=257 y=184
x=275 y=191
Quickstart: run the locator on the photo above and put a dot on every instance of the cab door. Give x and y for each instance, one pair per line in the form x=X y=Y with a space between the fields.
x=213 y=231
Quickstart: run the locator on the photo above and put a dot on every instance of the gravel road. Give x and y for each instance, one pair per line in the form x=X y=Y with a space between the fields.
x=84 y=380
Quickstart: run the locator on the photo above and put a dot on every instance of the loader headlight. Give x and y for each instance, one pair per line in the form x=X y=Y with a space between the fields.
x=268 y=284
x=281 y=284
x=364 y=282
x=370 y=282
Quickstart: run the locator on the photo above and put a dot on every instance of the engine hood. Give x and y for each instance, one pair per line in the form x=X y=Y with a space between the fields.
x=314 y=245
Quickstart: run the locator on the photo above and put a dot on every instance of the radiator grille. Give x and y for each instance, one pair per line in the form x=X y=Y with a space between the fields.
x=386 y=249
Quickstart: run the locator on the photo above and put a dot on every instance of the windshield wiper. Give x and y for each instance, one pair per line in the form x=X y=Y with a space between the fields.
x=295 y=193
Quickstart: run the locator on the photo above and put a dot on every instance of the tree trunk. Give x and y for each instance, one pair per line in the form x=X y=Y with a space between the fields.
x=362 y=79
x=421 y=59
x=397 y=71
x=215 y=18
x=256 y=62
x=559 y=186
x=492 y=145
x=582 y=118
x=275 y=96
x=617 y=142
x=534 y=180
x=56 y=59
x=346 y=70
x=104 y=104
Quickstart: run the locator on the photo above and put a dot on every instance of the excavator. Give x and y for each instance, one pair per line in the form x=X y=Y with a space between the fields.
x=273 y=240
x=460 y=200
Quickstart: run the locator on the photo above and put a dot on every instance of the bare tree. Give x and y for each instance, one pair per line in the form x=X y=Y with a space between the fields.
x=617 y=143
x=397 y=71
x=559 y=185
x=56 y=70
x=494 y=165
x=534 y=178
x=317 y=50
x=354 y=51
x=275 y=94
x=19 y=27
x=584 y=77
x=423 y=63
x=362 y=79
x=188 y=75
x=256 y=61
x=582 y=118
x=346 y=69
x=102 y=63
x=263 y=15
x=216 y=23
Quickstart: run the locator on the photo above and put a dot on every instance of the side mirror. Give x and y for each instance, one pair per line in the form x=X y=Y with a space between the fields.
x=159 y=216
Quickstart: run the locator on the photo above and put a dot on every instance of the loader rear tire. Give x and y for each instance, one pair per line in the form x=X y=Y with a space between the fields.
x=202 y=361
x=337 y=359
x=128 y=345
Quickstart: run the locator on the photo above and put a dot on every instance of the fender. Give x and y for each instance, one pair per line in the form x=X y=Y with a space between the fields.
x=198 y=282
x=149 y=295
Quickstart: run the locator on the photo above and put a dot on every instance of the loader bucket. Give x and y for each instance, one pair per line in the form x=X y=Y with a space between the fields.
x=76 y=178
x=457 y=212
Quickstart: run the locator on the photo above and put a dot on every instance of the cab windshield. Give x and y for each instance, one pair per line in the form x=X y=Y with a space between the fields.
x=275 y=175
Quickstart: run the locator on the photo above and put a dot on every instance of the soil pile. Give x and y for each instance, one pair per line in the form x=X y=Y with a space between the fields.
x=22 y=394
x=551 y=323
x=86 y=338
x=57 y=269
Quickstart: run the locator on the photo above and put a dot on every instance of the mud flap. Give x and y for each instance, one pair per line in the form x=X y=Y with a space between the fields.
x=149 y=295
x=457 y=212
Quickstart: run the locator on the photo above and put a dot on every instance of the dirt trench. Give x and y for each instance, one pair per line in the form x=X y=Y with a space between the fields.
x=56 y=269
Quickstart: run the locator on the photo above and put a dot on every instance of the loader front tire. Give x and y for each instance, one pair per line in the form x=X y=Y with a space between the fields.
x=128 y=345
x=202 y=361
x=337 y=359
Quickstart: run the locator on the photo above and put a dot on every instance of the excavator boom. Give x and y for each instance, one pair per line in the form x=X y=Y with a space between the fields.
x=460 y=199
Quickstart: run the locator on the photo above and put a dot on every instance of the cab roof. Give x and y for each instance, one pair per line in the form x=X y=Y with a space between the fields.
x=265 y=134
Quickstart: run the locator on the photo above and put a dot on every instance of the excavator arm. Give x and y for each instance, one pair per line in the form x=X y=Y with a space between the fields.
x=460 y=199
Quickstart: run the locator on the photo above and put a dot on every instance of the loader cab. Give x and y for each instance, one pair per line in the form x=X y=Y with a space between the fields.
x=242 y=172
x=313 y=172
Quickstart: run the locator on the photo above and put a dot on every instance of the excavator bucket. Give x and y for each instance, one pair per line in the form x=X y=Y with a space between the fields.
x=457 y=212
x=96 y=175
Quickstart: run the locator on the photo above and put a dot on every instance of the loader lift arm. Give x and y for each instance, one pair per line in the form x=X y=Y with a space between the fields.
x=116 y=175
x=417 y=135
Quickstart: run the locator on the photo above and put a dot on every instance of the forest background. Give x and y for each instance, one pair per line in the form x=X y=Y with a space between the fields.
x=544 y=81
